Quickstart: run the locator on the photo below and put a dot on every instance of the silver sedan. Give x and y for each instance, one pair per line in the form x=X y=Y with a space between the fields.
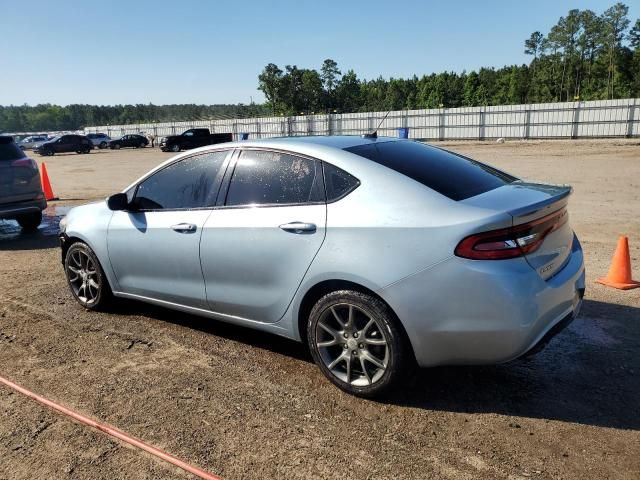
x=378 y=253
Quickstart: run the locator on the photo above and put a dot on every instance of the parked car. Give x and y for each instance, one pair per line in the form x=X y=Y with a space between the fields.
x=65 y=143
x=134 y=141
x=193 y=138
x=21 y=196
x=32 y=141
x=376 y=252
x=100 y=140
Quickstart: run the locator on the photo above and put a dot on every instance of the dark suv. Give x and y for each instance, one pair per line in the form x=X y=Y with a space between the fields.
x=65 y=143
x=21 y=196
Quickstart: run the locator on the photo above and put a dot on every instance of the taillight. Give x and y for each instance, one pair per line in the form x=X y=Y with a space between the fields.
x=25 y=162
x=513 y=241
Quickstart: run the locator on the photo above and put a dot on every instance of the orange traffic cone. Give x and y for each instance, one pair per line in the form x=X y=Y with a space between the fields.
x=619 y=275
x=46 y=184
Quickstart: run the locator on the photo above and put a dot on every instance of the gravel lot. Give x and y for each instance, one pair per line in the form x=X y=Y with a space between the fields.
x=244 y=404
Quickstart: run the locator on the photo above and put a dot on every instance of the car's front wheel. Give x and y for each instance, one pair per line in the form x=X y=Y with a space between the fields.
x=355 y=339
x=175 y=148
x=102 y=145
x=86 y=278
x=29 y=222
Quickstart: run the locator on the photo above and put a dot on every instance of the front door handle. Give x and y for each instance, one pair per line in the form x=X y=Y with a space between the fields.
x=299 y=227
x=184 y=227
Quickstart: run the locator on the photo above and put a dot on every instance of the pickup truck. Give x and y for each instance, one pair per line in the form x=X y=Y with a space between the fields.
x=193 y=138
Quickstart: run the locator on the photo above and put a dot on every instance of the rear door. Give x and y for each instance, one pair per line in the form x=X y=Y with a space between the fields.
x=154 y=247
x=257 y=246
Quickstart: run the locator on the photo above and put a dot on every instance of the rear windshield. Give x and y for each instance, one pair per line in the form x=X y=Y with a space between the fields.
x=9 y=150
x=450 y=174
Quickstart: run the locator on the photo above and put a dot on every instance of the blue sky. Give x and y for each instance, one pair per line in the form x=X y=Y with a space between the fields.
x=212 y=51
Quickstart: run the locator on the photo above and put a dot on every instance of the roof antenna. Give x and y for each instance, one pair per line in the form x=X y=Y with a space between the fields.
x=374 y=134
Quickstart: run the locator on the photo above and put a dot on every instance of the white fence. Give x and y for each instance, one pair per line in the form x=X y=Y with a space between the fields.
x=604 y=118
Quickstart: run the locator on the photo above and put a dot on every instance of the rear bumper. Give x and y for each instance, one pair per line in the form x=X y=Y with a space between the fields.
x=485 y=312
x=553 y=331
x=13 y=210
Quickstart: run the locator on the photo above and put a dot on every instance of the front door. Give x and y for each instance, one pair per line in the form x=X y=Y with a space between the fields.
x=63 y=144
x=154 y=247
x=256 y=248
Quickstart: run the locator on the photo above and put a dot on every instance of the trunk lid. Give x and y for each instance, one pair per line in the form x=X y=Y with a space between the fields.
x=530 y=202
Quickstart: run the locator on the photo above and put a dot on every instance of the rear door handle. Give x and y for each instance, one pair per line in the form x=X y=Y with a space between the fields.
x=299 y=227
x=184 y=227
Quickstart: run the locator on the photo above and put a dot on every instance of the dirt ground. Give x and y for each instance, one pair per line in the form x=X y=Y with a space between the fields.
x=244 y=404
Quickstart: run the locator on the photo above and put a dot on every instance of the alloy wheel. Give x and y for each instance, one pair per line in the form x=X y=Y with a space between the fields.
x=83 y=277
x=352 y=344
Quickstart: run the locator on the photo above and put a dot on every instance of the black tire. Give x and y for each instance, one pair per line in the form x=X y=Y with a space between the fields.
x=29 y=222
x=386 y=328
x=117 y=146
x=102 y=145
x=94 y=298
x=142 y=145
x=175 y=148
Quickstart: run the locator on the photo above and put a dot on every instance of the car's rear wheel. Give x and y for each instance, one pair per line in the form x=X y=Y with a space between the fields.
x=142 y=145
x=29 y=222
x=86 y=278
x=355 y=340
x=103 y=145
x=175 y=148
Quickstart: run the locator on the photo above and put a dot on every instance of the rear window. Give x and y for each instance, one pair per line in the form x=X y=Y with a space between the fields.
x=450 y=174
x=9 y=150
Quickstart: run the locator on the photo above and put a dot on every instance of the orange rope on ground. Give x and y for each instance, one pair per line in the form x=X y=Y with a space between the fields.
x=114 y=432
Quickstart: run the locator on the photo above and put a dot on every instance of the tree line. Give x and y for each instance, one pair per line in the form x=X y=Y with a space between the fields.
x=47 y=117
x=584 y=56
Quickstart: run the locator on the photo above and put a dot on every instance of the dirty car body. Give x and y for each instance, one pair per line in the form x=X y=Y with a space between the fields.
x=468 y=264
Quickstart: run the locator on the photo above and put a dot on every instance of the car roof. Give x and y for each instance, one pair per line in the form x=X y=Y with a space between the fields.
x=335 y=141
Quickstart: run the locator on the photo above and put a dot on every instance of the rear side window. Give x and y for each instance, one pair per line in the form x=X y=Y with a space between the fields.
x=9 y=150
x=452 y=175
x=338 y=183
x=273 y=178
x=189 y=183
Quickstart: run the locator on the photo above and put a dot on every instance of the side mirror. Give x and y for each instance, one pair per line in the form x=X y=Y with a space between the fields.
x=118 y=201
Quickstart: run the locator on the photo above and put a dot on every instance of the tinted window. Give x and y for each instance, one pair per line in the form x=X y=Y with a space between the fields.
x=9 y=150
x=338 y=183
x=189 y=183
x=452 y=175
x=274 y=178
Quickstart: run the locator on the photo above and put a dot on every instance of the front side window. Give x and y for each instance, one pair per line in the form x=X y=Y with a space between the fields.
x=189 y=183
x=274 y=178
